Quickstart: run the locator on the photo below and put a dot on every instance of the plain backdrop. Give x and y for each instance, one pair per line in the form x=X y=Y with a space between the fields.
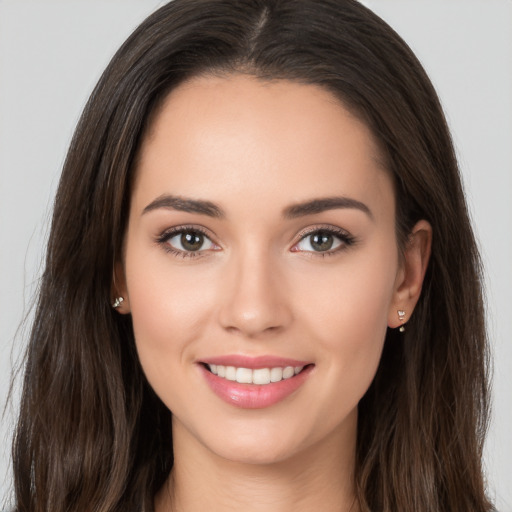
x=51 y=55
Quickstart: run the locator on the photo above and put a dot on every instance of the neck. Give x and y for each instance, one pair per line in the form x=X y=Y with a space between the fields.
x=317 y=478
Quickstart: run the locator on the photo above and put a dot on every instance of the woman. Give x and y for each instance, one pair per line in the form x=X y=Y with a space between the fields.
x=260 y=228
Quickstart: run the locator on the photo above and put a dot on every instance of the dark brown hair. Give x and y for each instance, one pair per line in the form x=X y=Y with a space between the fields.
x=92 y=435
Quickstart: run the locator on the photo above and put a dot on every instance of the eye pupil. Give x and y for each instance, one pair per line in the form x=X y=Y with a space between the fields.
x=322 y=241
x=191 y=241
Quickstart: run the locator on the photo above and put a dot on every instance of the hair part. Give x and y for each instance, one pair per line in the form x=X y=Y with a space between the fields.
x=92 y=435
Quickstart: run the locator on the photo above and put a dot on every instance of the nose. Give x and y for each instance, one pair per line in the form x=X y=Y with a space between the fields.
x=255 y=301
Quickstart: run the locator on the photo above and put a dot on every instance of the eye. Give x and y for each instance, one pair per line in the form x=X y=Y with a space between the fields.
x=323 y=241
x=186 y=241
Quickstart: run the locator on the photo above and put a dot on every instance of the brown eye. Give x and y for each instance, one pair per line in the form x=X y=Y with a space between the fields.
x=190 y=240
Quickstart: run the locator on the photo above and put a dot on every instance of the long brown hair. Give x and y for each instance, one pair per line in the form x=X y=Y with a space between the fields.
x=92 y=435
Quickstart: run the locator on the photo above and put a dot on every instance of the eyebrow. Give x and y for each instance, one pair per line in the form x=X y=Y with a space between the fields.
x=185 y=205
x=294 y=211
x=323 y=204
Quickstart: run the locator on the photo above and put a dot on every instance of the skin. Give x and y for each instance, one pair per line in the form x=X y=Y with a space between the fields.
x=254 y=149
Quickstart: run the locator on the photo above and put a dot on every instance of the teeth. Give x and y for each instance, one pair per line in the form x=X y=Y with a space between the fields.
x=230 y=373
x=260 y=376
x=244 y=375
x=288 y=372
x=276 y=374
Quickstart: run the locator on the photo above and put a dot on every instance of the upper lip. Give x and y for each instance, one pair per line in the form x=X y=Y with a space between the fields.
x=265 y=361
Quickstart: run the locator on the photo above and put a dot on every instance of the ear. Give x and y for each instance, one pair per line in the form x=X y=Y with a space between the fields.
x=409 y=279
x=119 y=289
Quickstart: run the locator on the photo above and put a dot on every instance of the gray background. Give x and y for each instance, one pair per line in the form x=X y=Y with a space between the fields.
x=51 y=54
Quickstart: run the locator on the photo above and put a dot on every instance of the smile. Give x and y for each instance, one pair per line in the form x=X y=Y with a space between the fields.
x=259 y=376
x=254 y=382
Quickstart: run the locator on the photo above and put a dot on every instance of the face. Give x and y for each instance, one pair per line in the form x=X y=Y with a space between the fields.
x=261 y=265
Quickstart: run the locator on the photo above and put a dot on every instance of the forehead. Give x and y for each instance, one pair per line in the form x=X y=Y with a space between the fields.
x=271 y=141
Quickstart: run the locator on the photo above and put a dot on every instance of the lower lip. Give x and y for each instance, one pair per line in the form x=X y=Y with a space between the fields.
x=254 y=396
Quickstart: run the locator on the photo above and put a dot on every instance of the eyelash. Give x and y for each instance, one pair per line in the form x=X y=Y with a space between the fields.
x=343 y=236
x=167 y=235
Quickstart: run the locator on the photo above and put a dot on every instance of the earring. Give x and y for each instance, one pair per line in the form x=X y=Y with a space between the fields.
x=117 y=302
x=401 y=317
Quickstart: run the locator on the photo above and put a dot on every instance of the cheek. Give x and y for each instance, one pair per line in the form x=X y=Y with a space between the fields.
x=170 y=308
x=348 y=314
x=358 y=291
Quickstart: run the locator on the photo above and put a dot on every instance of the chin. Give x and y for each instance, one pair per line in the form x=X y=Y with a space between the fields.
x=257 y=455
x=257 y=446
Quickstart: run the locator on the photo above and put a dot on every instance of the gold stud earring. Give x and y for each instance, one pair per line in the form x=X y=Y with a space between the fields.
x=401 y=317
x=117 y=302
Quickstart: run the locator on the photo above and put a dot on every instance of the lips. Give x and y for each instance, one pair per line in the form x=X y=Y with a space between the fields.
x=254 y=383
x=259 y=376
